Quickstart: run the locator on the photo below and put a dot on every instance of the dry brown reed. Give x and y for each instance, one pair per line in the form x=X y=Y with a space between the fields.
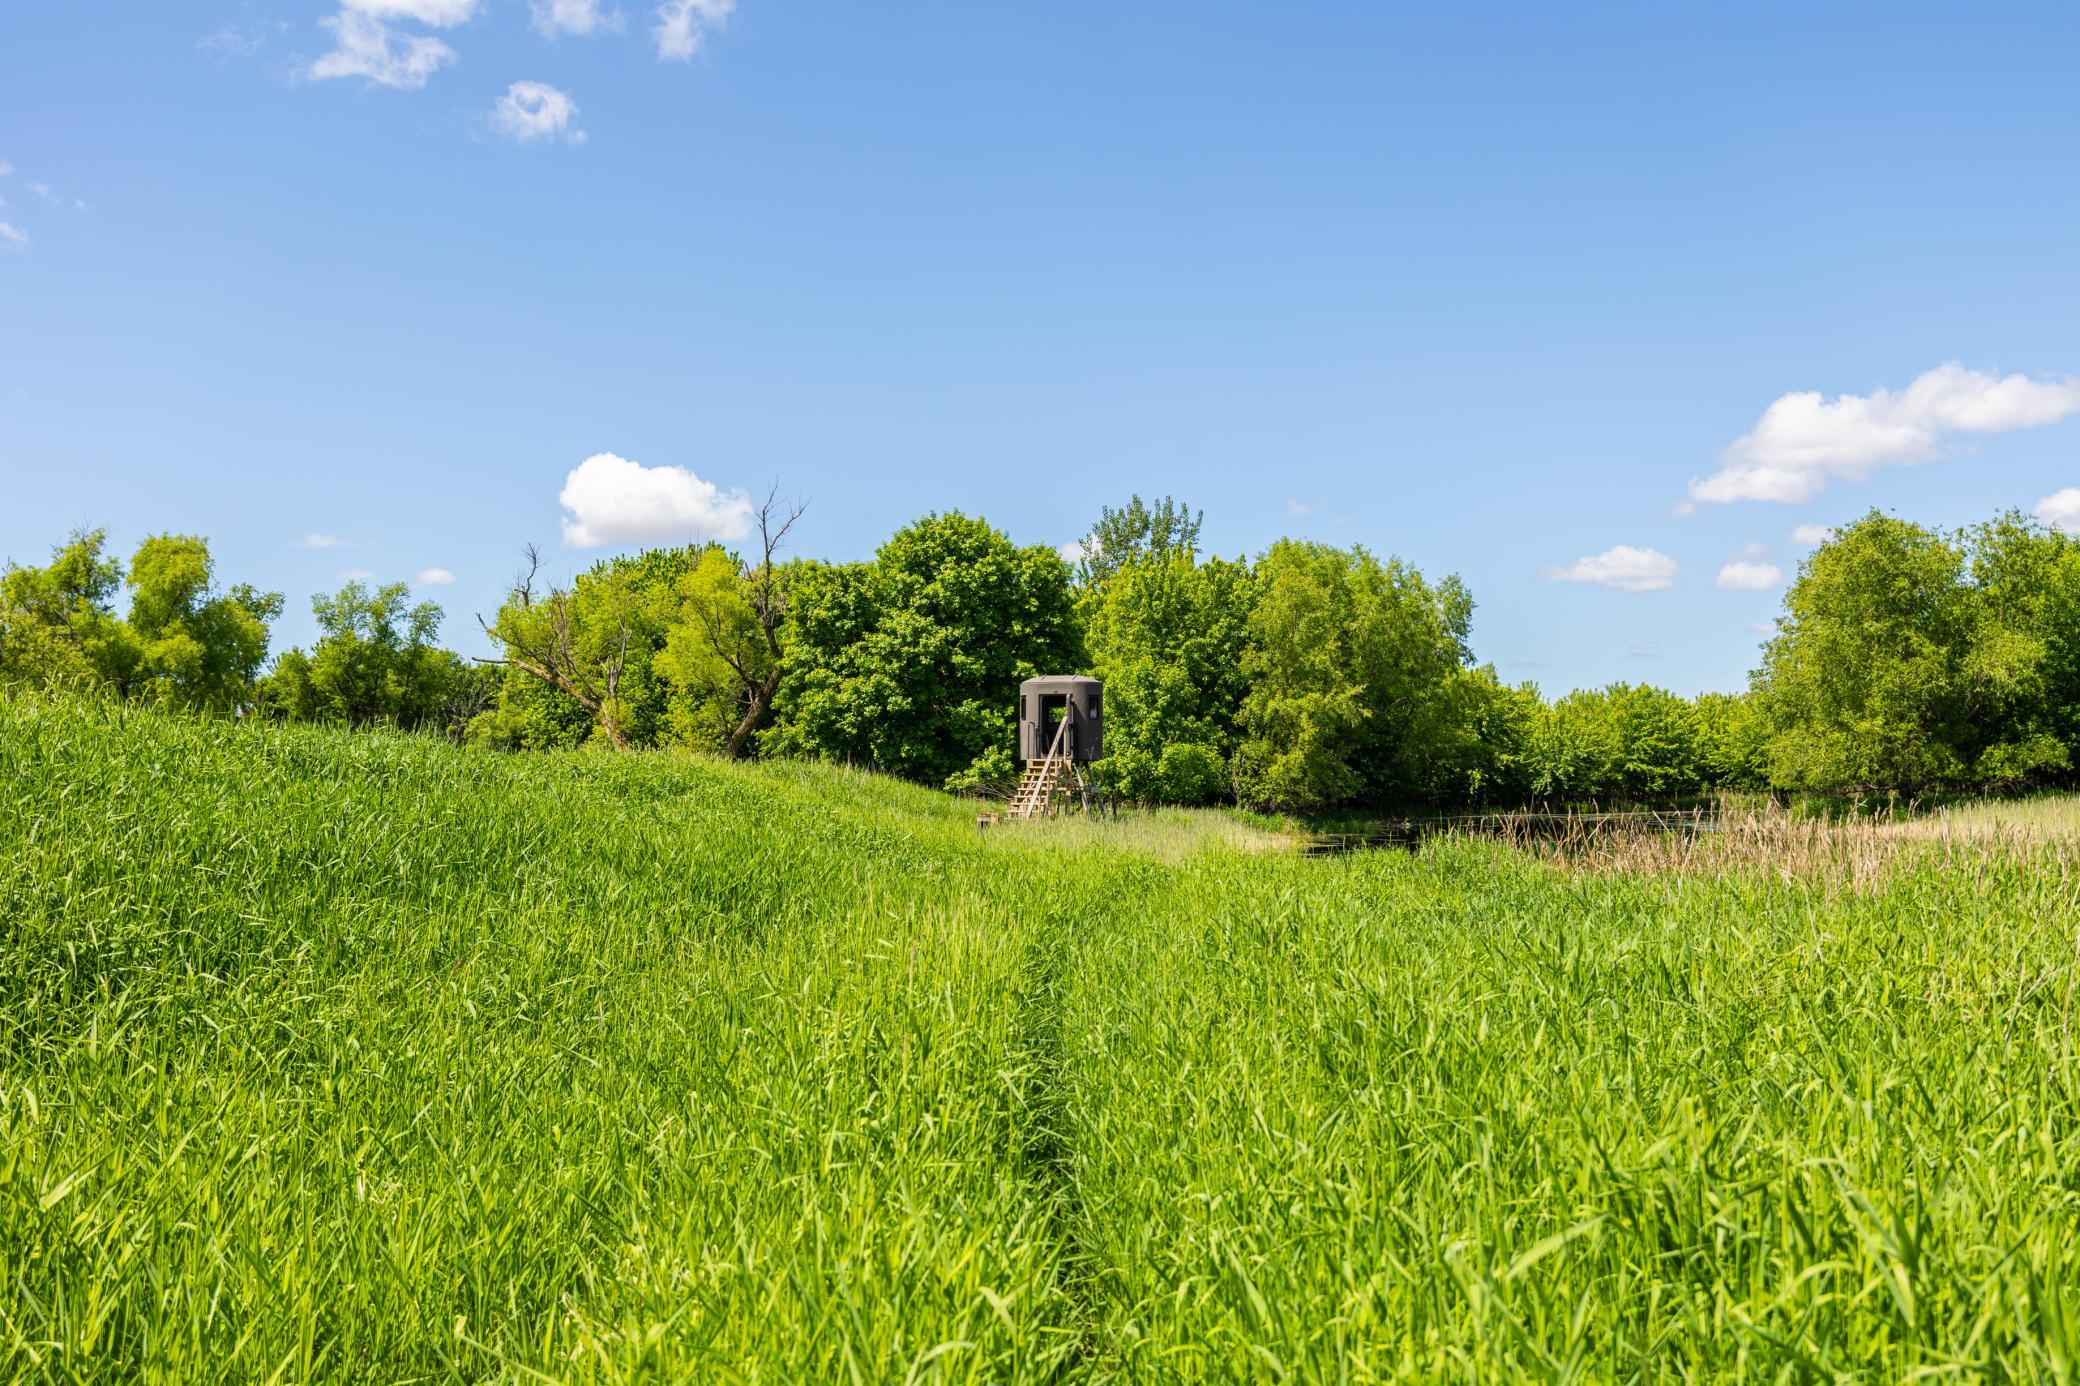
x=1857 y=851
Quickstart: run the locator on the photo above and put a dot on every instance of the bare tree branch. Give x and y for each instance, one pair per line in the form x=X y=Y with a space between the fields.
x=553 y=657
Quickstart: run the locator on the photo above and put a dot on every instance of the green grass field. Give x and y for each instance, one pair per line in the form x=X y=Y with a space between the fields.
x=351 y=1057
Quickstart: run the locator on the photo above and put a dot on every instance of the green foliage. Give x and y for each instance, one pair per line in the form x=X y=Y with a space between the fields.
x=1498 y=743
x=719 y=655
x=350 y=1056
x=1732 y=740
x=526 y=714
x=1315 y=678
x=375 y=661
x=57 y=623
x=1168 y=636
x=598 y=645
x=1134 y=532
x=989 y=771
x=1353 y=667
x=1624 y=742
x=184 y=644
x=200 y=650
x=910 y=664
x=1907 y=660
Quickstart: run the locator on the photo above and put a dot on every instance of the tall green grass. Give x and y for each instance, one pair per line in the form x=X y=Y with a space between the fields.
x=331 y=1056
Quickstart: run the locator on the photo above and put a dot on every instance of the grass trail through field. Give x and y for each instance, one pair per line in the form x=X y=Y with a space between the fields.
x=331 y=1056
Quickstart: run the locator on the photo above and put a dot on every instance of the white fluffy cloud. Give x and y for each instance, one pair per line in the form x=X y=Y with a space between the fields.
x=429 y=577
x=1805 y=440
x=2061 y=510
x=1749 y=575
x=683 y=25
x=1812 y=536
x=364 y=46
x=531 y=111
x=13 y=236
x=1621 y=569
x=321 y=541
x=553 y=17
x=612 y=500
x=1076 y=550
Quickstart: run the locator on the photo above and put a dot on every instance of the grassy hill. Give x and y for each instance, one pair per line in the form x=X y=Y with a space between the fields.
x=353 y=1057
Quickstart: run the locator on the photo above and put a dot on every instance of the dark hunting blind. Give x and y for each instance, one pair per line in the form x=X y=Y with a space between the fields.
x=1061 y=729
x=1045 y=704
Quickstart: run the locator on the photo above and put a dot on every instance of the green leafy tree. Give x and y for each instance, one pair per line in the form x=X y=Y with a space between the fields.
x=375 y=661
x=198 y=649
x=57 y=623
x=1732 y=740
x=596 y=643
x=724 y=653
x=2022 y=676
x=1353 y=668
x=1627 y=741
x=1134 y=532
x=525 y=713
x=1575 y=748
x=1497 y=743
x=1169 y=636
x=911 y=663
x=1881 y=675
x=1658 y=745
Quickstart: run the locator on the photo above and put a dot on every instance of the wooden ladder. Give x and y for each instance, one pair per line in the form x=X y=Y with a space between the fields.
x=1036 y=788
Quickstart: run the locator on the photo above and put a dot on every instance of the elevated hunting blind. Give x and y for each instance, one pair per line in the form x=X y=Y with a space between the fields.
x=1061 y=729
x=1045 y=703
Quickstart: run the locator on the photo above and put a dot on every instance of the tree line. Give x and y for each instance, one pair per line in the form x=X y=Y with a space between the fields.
x=1308 y=678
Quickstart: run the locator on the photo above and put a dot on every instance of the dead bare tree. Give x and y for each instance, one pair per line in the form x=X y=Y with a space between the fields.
x=545 y=649
x=767 y=596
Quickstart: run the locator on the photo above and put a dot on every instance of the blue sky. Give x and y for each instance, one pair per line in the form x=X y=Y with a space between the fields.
x=1502 y=290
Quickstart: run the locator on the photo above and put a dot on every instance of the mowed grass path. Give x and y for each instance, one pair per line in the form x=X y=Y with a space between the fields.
x=328 y=1056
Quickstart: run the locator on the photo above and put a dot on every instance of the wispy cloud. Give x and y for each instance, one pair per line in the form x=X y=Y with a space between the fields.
x=1620 y=569
x=611 y=500
x=1811 y=536
x=365 y=44
x=364 y=47
x=1297 y=508
x=1645 y=649
x=533 y=111
x=231 y=44
x=1749 y=575
x=322 y=541
x=581 y=17
x=2061 y=510
x=684 y=25
x=433 y=577
x=354 y=575
x=1804 y=440
x=13 y=237
x=6 y=169
x=436 y=14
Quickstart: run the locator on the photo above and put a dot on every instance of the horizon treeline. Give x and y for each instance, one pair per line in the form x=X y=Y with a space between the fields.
x=1312 y=677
